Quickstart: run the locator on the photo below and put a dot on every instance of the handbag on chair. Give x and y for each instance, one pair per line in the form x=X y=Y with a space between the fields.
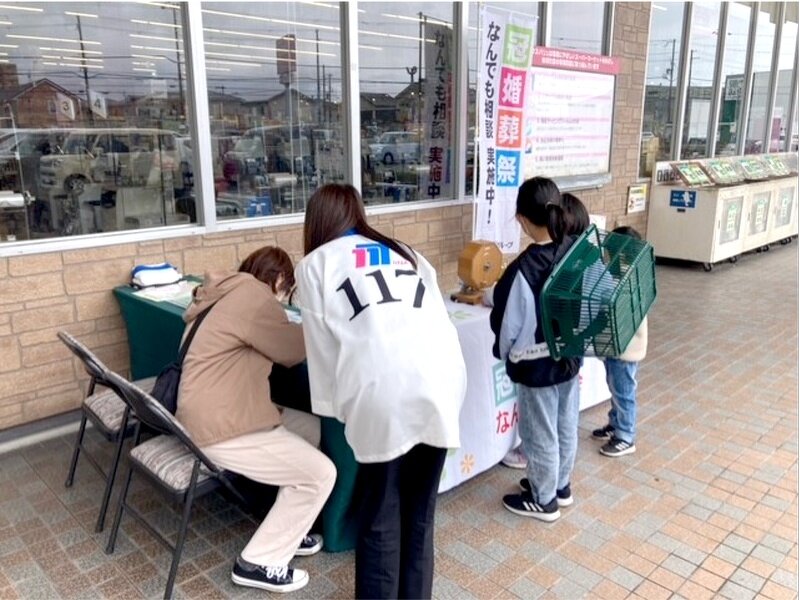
x=168 y=381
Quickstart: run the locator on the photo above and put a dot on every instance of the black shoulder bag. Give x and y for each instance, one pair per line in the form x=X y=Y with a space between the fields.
x=168 y=381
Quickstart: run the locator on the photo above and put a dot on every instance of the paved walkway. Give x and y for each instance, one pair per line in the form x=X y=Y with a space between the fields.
x=707 y=507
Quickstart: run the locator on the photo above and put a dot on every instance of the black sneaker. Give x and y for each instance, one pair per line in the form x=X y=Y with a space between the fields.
x=524 y=504
x=563 y=496
x=617 y=447
x=603 y=432
x=311 y=544
x=273 y=579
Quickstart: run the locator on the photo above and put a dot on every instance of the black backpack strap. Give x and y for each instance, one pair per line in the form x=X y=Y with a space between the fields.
x=190 y=336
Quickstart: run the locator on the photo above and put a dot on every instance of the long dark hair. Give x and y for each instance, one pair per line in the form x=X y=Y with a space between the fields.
x=575 y=214
x=267 y=264
x=336 y=208
x=539 y=201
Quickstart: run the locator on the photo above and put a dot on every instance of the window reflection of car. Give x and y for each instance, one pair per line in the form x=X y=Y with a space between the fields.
x=695 y=147
x=113 y=157
x=396 y=146
x=268 y=150
x=20 y=153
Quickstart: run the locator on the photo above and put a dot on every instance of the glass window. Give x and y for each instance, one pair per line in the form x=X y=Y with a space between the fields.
x=274 y=94
x=702 y=55
x=526 y=9
x=578 y=26
x=406 y=70
x=666 y=33
x=732 y=84
x=762 y=70
x=77 y=81
x=783 y=95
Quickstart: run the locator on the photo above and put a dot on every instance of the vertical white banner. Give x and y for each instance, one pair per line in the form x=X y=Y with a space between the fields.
x=438 y=112
x=504 y=68
x=97 y=103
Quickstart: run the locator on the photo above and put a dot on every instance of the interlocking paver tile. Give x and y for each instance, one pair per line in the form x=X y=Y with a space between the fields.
x=734 y=591
x=526 y=589
x=768 y=555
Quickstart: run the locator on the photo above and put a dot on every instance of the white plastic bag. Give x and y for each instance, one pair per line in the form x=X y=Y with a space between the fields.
x=149 y=275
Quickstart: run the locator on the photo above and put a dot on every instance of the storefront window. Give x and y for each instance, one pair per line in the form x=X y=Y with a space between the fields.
x=93 y=134
x=274 y=95
x=661 y=90
x=528 y=10
x=732 y=84
x=783 y=95
x=578 y=26
x=407 y=70
x=702 y=55
x=762 y=71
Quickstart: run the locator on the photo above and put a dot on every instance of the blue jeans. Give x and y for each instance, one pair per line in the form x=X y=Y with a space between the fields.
x=621 y=378
x=548 y=427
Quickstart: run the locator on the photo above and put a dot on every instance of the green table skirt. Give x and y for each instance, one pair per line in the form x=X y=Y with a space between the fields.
x=154 y=334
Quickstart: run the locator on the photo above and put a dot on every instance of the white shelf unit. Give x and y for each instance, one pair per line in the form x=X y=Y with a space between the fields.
x=720 y=222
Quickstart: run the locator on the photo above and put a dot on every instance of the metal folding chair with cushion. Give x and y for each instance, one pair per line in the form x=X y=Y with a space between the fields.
x=109 y=414
x=172 y=462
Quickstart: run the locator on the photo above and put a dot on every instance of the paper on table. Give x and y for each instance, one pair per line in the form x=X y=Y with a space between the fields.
x=178 y=293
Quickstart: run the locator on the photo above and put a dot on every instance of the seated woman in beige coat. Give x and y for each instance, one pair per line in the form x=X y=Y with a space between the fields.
x=224 y=402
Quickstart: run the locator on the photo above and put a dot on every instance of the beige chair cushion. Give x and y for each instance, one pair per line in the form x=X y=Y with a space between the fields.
x=169 y=460
x=109 y=408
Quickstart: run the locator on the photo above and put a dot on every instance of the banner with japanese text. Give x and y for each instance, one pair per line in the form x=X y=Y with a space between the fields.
x=571 y=97
x=504 y=68
x=438 y=112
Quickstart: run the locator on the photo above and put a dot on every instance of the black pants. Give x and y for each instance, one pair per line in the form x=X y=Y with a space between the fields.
x=394 y=553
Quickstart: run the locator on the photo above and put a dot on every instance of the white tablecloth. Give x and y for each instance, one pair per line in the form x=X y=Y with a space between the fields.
x=489 y=415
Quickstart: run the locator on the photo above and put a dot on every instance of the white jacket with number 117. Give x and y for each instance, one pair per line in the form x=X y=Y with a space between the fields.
x=383 y=356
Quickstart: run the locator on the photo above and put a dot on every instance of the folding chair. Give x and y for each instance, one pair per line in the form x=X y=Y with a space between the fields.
x=172 y=462
x=109 y=414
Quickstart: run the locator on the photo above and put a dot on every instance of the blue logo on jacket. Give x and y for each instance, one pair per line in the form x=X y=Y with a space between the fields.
x=369 y=255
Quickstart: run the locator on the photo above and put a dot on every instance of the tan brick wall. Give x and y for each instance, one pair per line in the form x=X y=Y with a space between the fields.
x=43 y=293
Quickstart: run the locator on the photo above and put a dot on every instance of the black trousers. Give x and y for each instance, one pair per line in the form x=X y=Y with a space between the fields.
x=394 y=553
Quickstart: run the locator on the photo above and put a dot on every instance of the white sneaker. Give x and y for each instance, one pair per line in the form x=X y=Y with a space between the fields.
x=310 y=544
x=272 y=579
x=515 y=459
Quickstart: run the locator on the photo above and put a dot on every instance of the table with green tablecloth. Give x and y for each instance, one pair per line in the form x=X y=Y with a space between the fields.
x=154 y=331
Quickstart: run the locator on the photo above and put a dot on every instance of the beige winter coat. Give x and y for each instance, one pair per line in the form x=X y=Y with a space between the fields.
x=637 y=347
x=224 y=391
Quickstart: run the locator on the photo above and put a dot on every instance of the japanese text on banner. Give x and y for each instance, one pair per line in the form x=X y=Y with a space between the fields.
x=505 y=58
x=438 y=111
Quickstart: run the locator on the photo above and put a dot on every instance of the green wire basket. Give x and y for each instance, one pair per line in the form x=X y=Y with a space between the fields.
x=597 y=295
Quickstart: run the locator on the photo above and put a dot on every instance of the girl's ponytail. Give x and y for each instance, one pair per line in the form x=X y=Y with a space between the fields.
x=556 y=222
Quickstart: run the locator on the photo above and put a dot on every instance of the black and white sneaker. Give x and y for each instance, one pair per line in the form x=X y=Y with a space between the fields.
x=524 y=504
x=563 y=496
x=272 y=579
x=311 y=544
x=603 y=432
x=617 y=447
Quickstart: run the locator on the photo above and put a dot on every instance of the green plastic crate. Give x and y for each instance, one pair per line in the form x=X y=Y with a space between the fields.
x=597 y=295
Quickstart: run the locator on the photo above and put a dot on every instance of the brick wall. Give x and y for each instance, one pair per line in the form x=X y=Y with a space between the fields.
x=43 y=293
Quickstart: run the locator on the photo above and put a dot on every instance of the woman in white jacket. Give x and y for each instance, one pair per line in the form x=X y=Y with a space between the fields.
x=384 y=359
